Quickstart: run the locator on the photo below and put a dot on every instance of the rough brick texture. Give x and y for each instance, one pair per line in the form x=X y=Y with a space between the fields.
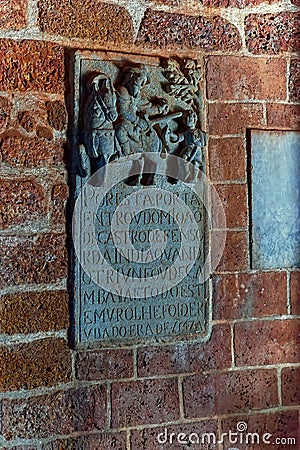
x=283 y=116
x=103 y=441
x=233 y=118
x=187 y=358
x=161 y=29
x=32 y=260
x=294 y=80
x=64 y=412
x=59 y=197
x=235 y=252
x=30 y=152
x=4 y=112
x=104 y=365
x=227 y=158
x=56 y=114
x=295 y=292
x=267 y=342
x=249 y=295
x=272 y=33
x=233 y=3
x=13 y=14
x=234 y=202
x=141 y=402
x=95 y=20
x=229 y=392
x=290 y=383
x=246 y=78
x=33 y=312
x=31 y=65
x=21 y=201
x=50 y=365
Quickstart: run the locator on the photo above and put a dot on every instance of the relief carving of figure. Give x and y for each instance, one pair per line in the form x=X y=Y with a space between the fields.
x=99 y=113
x=135 y=130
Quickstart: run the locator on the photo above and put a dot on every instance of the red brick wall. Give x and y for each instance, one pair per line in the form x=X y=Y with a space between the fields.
x=55 y=398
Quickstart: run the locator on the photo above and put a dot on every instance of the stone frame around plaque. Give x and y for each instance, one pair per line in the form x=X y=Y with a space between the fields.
x=162 y=99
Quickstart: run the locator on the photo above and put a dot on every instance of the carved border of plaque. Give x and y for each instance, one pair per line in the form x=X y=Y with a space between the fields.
x=144 y=109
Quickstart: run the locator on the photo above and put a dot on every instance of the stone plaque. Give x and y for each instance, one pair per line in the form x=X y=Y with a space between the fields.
x=275 y=173
x=139 y=222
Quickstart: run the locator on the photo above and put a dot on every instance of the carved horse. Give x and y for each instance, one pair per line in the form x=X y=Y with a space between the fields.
x=99 y=113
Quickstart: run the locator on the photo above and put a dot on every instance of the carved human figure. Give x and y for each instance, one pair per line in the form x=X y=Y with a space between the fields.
x=99 y=113
x=135 y=130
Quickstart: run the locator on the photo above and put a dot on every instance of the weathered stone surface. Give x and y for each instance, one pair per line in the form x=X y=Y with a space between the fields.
x=234 y=118
x=187 y=358
x=294 y=80
x=295 y=292
x=272 y=33
x=246 y=78
x=13 y=14
x=32 y=260
x=95 y=20
x=40 y=363
x=26 y=120
x=34 y=312
x=227 y=159
x=4 y=112
x=230 y=392
x=104 y=365
x=56 y=114
x=290 y=382
x=234 y=202
x=64 y=412
x=161 y=29
x=21 y=201
x=233 y=3
x=283 y=116
x=249 y=295
x=103 y=441
x=30 y=152
x=44 y=132
x=267 y=342
x=31 y=65
x=141 y=402
x=59 y=197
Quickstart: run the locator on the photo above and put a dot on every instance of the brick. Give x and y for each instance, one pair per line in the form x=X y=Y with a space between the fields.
x=5 y=108
x=163 y=29
x=295 y=2
x=187 y=358
x=103 y=365
x=96 y=20
x=272 y=33
x=235 y=252
x=17 y=151
x=281 y=424
x=56 y=114
x=13 y=14
x=31 y=66
x=229 y=392
x=62 y=413
x=234 y=202
x=40 y=363
x=103 y=441
x=290 y=384
x=34 y=312
x=267 y=342
x=59 y=197
x=283 y=116
x=26 y=120
x=294 y=80
x=234 y=3
x=227 y=159
x=295 y=292
x=147 y=439
x=234 y=118
x=44 y=132
x=32 y=260
x=21 y=201
x=249 y=295
x=246 y=78
x=144 y=402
